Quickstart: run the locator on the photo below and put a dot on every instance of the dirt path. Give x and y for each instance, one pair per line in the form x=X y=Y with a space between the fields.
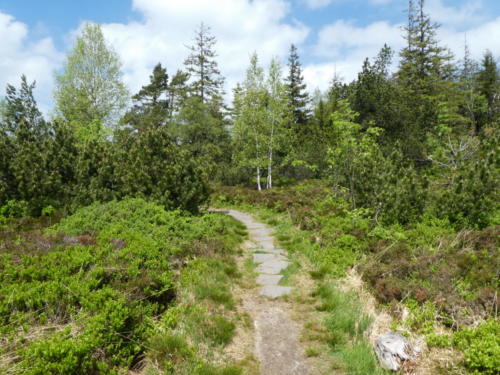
x=277 y=345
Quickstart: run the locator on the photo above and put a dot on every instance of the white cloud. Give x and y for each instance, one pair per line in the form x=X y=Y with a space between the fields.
x=37 y=59
x=168 y=26
x=479 y=39
x=460 y=16
x=316 y=4
x=342 y=46
x=320 y=76
x=343 y=38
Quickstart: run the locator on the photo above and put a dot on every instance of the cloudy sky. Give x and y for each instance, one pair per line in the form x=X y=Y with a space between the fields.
x=333 y=36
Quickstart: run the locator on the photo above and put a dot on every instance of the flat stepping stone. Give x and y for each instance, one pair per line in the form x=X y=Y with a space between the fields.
x=267 y=245
x=261 y=258
x=270 y=251
x=275 y=291
x=269 y=280
x=272 y=267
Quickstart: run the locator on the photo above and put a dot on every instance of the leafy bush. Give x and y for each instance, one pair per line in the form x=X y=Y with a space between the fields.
x=14 y=209
x=481 y=347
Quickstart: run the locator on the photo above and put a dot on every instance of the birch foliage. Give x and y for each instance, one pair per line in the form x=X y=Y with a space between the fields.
x=89 y=90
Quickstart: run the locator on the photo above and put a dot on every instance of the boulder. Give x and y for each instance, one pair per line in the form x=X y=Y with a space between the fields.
x=394 y=351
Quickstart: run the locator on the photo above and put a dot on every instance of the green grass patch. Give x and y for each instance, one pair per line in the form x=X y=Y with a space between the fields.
x=289 y=272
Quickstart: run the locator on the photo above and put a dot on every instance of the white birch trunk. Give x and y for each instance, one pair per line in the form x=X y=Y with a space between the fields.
x=269 y=183
x=259 y=187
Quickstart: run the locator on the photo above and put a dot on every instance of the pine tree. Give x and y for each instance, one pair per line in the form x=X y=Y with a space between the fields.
x=27 y=134
x=296 y=89
x=21 y=115
x=152 y=103
x=177 y=91
x=372 y=94
x=202 y=67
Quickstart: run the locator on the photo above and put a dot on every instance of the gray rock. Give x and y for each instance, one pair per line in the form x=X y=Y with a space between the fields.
x=393 y=350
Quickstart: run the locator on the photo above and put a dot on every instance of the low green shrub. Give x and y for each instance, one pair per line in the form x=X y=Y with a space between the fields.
x=436 y=340
x=15 y=209
x=104 y=278
x=481 y=347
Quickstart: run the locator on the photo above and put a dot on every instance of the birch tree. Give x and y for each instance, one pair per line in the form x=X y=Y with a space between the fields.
x=89 y=91
x=248 y=135
x=262 y=114
x=278 y=115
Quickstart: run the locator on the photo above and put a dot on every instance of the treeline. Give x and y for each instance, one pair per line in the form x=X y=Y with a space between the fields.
x=418 y=138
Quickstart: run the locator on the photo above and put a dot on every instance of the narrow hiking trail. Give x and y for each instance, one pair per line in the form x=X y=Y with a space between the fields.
x=277 y=346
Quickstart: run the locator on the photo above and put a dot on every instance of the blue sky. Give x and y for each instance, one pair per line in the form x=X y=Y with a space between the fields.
x=333 y=36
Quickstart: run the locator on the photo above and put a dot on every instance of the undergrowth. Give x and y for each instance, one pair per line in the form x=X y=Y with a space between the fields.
x=118 y=286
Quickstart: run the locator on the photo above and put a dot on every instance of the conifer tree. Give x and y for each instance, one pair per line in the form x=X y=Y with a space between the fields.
x=177 y=91
x=26 y=132
x=425 y=81
x=474 y=106
x=296 y=89
x=372 y=97
x=488 y=81
x=21 y=115
x=202 y=67
x=152 y=103
x=423 y=61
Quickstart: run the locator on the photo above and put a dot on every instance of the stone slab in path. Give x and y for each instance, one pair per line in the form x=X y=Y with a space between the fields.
x=258 y=250
x=264 y=279
x=274 y=291
x=261 y=258
x=272 y=267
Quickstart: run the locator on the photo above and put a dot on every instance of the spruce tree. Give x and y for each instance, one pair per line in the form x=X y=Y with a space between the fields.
x=202 y=67
x=423 y=61
x=296 y=89
x=425 y=81
x=473 y=106
x=488 y=81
